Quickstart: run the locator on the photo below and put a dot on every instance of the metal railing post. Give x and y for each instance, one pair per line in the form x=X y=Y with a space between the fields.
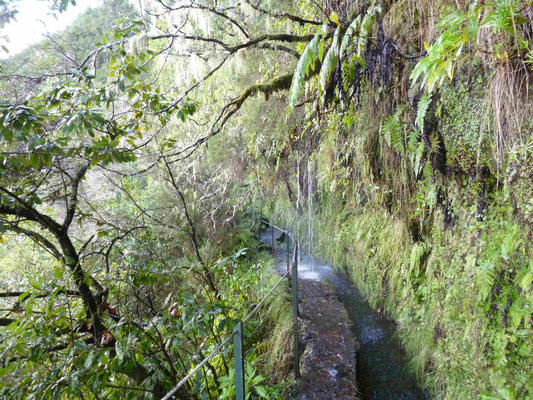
x=287 y=246
x=273 y=242
x=295 y=313
x=239 y=362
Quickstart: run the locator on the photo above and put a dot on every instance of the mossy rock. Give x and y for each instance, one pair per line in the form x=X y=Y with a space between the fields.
x=463 y=124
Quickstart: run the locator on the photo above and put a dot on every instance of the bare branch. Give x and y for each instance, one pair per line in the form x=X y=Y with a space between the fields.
x=195 y=5
x=288 y=16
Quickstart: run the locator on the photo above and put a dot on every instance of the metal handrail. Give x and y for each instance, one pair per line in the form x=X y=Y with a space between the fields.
x=279 y=229
x=218 y=348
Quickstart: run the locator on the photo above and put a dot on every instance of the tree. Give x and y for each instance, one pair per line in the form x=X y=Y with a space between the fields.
x=91 y=114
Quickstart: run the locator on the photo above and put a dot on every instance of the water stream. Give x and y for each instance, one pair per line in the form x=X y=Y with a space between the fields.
x=382 y=372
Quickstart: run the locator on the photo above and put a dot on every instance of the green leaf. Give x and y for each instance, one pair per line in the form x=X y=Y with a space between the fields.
x=119 y=348
x=349 y=35
x=58 y=272
x=23 y=296
x=35 y=161
x=89 y=360
x=366 y=27
x=29 y=308
x=334 y=17
x=507 y=393
x=321 y=48
x=261 y=391
x=80 y=345
x=104 y=359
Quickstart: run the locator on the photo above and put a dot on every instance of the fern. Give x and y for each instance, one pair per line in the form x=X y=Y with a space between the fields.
x=392 y=130
x=423 y=106
x=462 y=28
x=366 y=27
x=485 y=279
x=329 y=64
x=415 y=147
x=348 y=35
x=305 y=64
x=412 y=141
x=417 y=166
x=418 y=251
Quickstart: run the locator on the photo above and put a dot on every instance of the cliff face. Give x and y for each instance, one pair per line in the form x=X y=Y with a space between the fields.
x=432 y=219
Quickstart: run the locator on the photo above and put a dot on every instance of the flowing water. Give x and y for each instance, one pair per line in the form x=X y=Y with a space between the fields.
x=382 y=372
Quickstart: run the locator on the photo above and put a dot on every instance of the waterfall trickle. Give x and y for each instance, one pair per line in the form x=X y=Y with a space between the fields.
x=310 y=210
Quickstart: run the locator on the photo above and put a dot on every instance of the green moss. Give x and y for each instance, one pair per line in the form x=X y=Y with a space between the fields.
x=520 y=183
x=433 y=289
x=461 y=295
x=464 y=123
x=445 y=253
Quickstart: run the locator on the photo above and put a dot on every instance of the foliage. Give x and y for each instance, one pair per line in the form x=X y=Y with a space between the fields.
x=142 y=269
x=462 y=29
x=422 y=109
x=413 y=209
x=328 y=65
x=393 y=130
x=306 y=65
x=252 y=383
x=352 y=40
x=129 y=246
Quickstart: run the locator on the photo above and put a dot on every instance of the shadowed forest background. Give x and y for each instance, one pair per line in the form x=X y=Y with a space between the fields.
x=140 y=145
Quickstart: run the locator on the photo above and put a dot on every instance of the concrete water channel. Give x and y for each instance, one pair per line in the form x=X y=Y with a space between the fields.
x=382 y=371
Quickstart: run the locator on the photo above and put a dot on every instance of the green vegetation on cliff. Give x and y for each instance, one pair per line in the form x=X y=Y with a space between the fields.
x=423 y=195
x=138 y=145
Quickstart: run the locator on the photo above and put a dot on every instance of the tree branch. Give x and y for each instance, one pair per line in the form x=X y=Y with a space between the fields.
x=39 y=295
x=73 y=198
x=192 y=234
x=281 y=83
x=195 y=5
x=38 y=238
x=6 y=321
x=277 y=37
x=27 y=211
x=282 y=15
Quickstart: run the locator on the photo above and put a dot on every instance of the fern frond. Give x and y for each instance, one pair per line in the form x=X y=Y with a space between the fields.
x=329 y=64
x=366 y=27
x=305 y=63
x=348 y=35
x=418 y=251
x=423 y=106
x=415 y=147
x=485 y=279
x=417 y=166
x=392 y=129
x=412 y=141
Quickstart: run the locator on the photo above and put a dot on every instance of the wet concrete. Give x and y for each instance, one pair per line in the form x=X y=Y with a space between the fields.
x=381 y=363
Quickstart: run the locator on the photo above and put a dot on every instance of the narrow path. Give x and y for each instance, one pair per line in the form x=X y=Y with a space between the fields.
x=326 y=340
x=334 y=312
